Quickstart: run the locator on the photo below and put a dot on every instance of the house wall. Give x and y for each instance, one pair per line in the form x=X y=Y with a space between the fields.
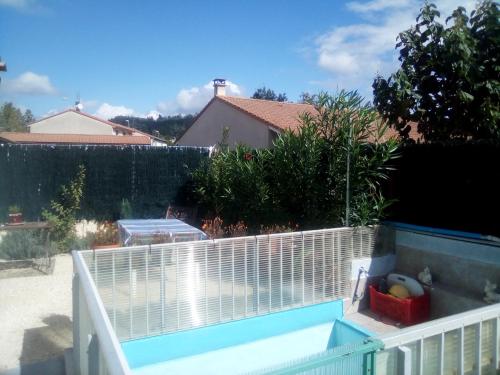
x=207 y=129
x=71 y=123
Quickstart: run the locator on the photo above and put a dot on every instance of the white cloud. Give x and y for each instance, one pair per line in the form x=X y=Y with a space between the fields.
x=153 y=115
x=29 y=83
x=19 y=4
x=356 y=53
x=89 y=105
x=108 y=111
x=195 y=98
x=376 y=5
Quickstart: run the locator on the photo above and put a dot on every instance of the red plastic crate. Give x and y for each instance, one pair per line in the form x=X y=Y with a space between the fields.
x=407 y=311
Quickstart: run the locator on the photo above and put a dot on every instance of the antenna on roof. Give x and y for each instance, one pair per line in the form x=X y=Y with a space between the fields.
x=3 y=66
x=78 y=104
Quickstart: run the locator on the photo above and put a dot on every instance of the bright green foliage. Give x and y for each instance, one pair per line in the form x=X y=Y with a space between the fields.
x=62 y=213
x=233 y=184
x=13 y=120
x=125 y=209
x=449 y=77
x=302 y=179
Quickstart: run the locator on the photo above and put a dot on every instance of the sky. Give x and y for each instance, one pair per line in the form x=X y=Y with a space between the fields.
x=150 y=57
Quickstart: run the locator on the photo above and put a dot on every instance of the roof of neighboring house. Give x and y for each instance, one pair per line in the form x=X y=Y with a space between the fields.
x=123 y=128
x=283 y=115
x=280 y=115
x=41 y=138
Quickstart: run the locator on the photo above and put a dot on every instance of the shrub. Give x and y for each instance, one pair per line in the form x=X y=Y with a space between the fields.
x=62 y=213
x=106 y=234
x=232 y=185
x=24 y=244
x=303 y=179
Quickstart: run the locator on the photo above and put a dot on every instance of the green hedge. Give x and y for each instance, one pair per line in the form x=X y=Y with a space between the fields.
x=149 y=177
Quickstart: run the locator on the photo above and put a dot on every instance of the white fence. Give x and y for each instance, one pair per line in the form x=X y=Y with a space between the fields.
x=96 y=350
x=149 y=290
x=466 y=343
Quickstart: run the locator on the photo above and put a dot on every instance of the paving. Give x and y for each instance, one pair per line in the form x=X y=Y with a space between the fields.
x=373 y=322
x=35 y=319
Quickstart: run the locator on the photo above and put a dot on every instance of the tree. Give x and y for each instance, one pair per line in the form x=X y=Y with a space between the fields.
x=13 y=120
x=28 y=117
x=169 y=127
x=448 y=82
x=268 y=94
x=62 y=213
x=306 y=98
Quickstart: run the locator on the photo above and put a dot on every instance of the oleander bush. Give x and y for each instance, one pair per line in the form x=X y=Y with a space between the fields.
x=302 y=180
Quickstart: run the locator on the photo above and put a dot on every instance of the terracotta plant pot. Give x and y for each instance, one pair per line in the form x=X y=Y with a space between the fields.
x=16 y=218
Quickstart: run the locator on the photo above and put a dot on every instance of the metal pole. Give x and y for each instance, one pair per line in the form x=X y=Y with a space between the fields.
x=348 y=182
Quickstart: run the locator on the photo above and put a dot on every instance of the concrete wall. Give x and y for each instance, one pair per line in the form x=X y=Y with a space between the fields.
x=207 y=129
x=71 y=123
x=459 y=267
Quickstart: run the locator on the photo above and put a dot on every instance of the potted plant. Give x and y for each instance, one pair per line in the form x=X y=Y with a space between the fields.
x=15 y=215
x=106 y=236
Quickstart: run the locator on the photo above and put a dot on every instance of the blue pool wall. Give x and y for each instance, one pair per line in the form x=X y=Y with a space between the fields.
x=346 y=332
x=147 y=351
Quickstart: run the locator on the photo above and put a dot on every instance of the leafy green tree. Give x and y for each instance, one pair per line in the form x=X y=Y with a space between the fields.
x=449 y=77
x=62 y=213
x=355 y=158
x=307 y=98
x=28 y=117
x=168 y=127
x=268 y=94
x=13 y=120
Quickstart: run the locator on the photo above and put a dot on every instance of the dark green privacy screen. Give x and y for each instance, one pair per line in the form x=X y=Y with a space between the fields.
x=148 y=177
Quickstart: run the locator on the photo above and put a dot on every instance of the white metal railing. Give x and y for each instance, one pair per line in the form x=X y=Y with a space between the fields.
x=150 y=290
x=466 y=343
x=96 y=349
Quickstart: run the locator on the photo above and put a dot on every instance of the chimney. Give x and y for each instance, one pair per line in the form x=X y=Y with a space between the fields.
x=219 y=87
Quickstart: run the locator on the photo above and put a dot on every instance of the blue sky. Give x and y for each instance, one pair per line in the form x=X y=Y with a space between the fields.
x=145 y=57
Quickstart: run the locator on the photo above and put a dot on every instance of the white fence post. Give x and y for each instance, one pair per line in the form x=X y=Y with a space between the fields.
x=76 y=323
x=404 y=360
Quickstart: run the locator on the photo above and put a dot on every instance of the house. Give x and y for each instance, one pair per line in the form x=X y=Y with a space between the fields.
x=254 y=122
x=73 y=139
x=72 y=126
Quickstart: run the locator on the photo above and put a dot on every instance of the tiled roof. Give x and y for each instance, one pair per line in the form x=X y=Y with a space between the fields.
x=280 y=115
x=42 y=138
x=284 y=115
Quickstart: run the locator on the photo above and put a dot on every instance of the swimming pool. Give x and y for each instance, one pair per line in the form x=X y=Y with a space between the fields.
x=246 y=345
